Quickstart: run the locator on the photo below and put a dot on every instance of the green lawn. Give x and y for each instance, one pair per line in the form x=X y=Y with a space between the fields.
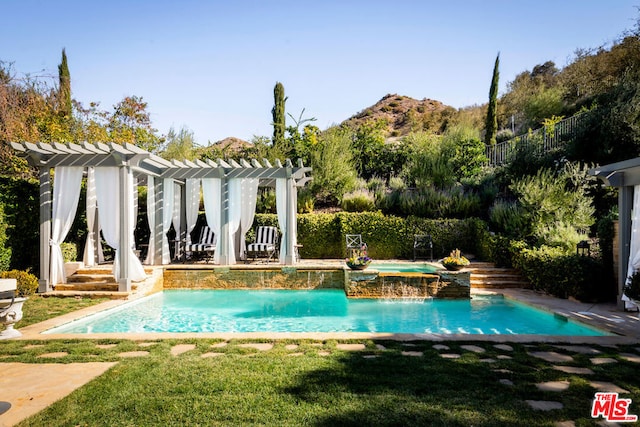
x=313 y=383
x=317 y=384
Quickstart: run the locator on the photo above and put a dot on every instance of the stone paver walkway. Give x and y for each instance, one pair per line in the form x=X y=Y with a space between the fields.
x=29 y=388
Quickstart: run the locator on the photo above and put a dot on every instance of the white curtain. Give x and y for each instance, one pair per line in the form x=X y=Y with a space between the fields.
x=167 y=214
x=281 y=208
x=235 y=211
x=93 y=234
x=248 y=210
x=211 y=194
x=151 y=219
x=108 y=195
x=192 y=188
x=175 y=216
x=634 y=248
x=283 y=214
x=136 y=271
x=66 y=193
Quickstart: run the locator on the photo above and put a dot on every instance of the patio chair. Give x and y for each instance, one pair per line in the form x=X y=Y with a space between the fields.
x=265 y=244
x=422 y=244
x=355 y=245
x=205 y=246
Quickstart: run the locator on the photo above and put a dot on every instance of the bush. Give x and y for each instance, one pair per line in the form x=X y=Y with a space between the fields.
x=322 y=235
x=27 y=282
x=358 y=201
x=5 y=252
x=69 y=251
x=552 y=270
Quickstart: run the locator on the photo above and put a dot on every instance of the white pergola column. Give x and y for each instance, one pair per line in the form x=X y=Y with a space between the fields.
x=290 y=258
x=158 y=232
x=625 y=207
x=125 y=237
x=45 y=230
x=223 y=239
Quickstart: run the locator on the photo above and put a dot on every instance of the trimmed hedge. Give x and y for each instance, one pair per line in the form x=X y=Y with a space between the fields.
x=388 y=237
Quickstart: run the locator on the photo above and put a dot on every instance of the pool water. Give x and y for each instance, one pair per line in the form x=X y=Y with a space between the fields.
x=403 y=267
x=320 y=311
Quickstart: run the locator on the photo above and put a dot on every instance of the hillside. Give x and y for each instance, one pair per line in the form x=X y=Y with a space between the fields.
x=403 y=114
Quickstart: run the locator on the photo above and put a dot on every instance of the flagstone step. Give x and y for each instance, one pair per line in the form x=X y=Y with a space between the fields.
x=486 y=275
x=91 y=278
x=91 y=286
x=87 y=294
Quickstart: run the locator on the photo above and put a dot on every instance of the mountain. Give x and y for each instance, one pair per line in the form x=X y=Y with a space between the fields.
x=403 y=114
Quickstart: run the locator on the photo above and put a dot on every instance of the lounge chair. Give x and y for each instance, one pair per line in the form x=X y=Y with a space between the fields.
x=205 y=246
x=355 y=245
x=422 y=244
x=265 y=244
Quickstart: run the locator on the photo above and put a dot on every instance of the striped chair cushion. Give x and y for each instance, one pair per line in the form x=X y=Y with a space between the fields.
x=266 y=238
x=261 y=247
x=206 y=243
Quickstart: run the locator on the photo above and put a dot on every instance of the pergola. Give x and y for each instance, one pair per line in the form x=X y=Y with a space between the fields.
x=625 y=176
x=117 y=169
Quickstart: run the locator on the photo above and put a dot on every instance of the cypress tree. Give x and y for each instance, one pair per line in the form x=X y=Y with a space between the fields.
x=64 y=91
x=278 y=115
x=491 y=127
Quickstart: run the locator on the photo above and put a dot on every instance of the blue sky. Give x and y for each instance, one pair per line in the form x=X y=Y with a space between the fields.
x=211 y=65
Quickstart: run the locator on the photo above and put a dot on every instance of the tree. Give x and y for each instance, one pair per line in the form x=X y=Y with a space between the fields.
x=64 y=88
x=131 y=122
x=332 y=163
x=491 y=127
x=278 y=114
x=180 y=145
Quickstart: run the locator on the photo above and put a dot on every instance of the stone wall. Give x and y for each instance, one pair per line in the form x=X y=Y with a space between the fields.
x=264 y=278
x=362 y=284
x=357 y=284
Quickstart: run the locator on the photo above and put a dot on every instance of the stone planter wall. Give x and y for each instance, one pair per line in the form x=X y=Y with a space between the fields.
x=450 y=284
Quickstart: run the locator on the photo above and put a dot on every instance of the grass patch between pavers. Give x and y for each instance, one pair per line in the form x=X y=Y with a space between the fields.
x=323 y=386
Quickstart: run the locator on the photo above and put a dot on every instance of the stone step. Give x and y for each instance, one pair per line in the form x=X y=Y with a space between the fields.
x=499 y=284
x=91 y=278
x=91 y=287
x=87 y=294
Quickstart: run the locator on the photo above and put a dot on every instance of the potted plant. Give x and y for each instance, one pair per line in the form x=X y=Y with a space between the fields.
x=455 y=261
x=359 y=259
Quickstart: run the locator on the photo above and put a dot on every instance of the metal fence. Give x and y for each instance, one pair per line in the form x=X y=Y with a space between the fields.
x=543 y=140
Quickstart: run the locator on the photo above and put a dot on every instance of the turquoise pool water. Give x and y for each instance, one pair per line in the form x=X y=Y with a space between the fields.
x=403 y=267
x=320 y=311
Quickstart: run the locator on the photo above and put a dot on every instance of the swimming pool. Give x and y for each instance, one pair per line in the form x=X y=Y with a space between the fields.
x=320 y=311
x=403 y=267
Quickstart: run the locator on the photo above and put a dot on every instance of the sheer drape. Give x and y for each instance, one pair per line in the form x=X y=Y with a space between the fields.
x=151 y=219
x=235 y=211
x=167 y=214
x=66 y=193
x=281 y=208
x=248 y=211
x=192 y=188
x=93 y=233
x=108 y=195
x=634 y=248
x=211 y=194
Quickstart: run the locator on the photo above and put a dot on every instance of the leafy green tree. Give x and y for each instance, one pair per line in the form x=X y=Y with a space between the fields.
x=367 y=147
x=332 y=163
x=491 y=125
x=465 y=152
x=64 y=88
x=278 y=114
x=556 y=205
x=130 y=122
x=180 y=145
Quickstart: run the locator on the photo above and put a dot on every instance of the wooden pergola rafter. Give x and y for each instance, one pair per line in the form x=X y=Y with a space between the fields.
x=142 y=164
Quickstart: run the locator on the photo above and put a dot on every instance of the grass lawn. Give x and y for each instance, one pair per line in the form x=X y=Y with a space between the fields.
x=313 y=383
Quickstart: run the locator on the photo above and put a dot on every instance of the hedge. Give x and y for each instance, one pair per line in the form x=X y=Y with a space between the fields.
x=388 y=237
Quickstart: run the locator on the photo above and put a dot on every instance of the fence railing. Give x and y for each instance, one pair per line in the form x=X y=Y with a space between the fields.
x=544 y=139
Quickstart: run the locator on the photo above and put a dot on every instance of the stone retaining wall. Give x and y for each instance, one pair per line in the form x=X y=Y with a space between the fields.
x=357 y=284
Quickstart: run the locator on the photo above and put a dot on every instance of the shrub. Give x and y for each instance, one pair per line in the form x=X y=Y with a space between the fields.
x=27 y=283
x=508 y=217
x=69 y=251
x=5 y=252
x=358 y=201
x=552 y=270
x=306 y=201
